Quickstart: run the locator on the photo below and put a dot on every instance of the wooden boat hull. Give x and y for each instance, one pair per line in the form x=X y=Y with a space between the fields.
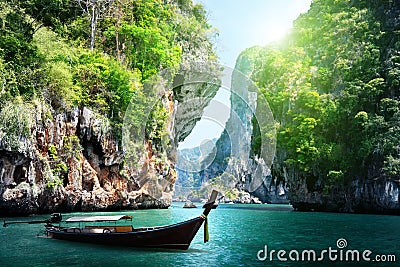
x=176 y=236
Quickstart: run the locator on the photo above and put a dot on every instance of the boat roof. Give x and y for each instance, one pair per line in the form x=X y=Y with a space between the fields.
x=112 y=218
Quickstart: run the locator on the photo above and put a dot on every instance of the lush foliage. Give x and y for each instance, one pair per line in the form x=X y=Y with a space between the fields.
x=333 y=87
x=16 y=119
x=57 y=52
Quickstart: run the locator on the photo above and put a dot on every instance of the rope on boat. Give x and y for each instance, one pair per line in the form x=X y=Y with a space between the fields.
x=206 y=234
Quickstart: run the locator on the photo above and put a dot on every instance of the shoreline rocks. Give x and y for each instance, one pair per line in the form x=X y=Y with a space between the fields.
x=189 y=205
x=361 y=196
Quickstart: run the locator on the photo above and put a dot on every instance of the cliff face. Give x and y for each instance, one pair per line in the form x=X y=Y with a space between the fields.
x=361 y=196
x=193 y=88
x=251 y=169
x=327 y=157
x=73 y=163
x=372 y=190
x=232 y=162
x=57 y=158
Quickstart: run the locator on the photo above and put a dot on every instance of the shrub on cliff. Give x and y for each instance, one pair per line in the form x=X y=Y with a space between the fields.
x=16 y=120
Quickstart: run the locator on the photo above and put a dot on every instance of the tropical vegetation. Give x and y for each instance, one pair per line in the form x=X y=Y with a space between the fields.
x=333 y=87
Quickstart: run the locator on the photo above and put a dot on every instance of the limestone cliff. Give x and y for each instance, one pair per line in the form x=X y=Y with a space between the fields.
x=304 y=191
x=370 y=190
x=57 y=157
x=361 y=196
x=72 y=162
x=232 y=161
x=361 y=176
x=251 y=170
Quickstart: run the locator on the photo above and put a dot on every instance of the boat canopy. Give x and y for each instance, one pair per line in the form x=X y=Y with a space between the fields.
x=113 y=218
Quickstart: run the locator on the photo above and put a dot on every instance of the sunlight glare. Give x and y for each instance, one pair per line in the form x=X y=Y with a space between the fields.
x=275 y=33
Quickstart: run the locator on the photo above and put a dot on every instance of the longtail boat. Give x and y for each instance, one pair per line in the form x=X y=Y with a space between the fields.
x=174 y=236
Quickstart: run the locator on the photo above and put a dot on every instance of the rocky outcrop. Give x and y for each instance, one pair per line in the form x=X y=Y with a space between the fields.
x=189 y=205
x=193 y=89
x=361 y=196
x=370 y=190
x=233 y=160
x=72 y=162
x=280 y=184
x=242 y=197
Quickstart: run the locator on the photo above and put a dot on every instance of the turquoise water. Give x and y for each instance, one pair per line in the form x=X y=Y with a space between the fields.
x=237 y=233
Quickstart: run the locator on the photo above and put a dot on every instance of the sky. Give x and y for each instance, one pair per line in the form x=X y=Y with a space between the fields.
x=246 y=23
x=241 y=24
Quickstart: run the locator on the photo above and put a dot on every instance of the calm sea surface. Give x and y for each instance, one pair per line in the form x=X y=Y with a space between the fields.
x=237 y=234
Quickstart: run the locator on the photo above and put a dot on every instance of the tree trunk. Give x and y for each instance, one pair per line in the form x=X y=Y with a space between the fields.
x=93 y=23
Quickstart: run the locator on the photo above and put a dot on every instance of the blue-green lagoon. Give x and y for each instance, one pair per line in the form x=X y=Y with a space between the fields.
x=237 y=234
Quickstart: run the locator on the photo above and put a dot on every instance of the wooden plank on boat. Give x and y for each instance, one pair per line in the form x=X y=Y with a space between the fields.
x=123 y=229
x=112 y=218
x=117 y=228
